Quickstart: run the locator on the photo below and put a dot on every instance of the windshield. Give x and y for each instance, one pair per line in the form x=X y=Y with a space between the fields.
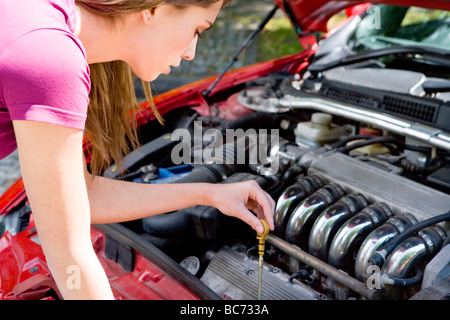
x=385 y=26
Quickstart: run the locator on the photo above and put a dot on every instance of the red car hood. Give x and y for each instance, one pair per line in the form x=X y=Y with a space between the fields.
x=312 y=15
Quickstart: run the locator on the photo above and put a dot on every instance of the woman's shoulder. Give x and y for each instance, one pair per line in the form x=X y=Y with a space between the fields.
x=21 y=17
x=44 y=74
x=45 y=52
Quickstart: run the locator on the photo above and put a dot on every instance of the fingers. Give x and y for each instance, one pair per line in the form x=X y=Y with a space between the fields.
x=243 y=197
x=264 y=208
x=251 y=220
x=259 y=211
x=254 y=221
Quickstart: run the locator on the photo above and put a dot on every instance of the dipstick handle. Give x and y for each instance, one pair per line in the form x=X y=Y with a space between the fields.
x=261 y=237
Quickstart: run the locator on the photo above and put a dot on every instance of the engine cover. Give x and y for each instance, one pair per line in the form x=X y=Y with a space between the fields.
x=378 y=184
x=233 y=275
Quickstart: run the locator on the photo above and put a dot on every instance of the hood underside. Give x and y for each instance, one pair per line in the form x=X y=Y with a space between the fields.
x=311 y=15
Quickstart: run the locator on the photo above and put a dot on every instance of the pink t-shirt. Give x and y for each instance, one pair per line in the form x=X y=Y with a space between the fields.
x=44 y=75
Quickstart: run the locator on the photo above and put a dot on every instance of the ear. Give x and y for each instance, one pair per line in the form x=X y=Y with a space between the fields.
x=146 y=16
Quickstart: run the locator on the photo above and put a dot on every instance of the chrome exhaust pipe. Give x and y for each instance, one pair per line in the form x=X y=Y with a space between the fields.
x=306 y=213
x=353 y=232
x=378 y=237
x=420 y=247
x=329 y=222
x=291 y=198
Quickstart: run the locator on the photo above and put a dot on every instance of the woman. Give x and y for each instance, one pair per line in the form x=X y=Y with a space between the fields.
x=56 y=58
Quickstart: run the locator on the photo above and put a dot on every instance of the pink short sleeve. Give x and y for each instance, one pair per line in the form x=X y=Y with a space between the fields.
x=45 y=77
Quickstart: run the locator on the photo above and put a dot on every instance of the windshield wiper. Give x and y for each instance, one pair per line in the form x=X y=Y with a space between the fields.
x=429 y=53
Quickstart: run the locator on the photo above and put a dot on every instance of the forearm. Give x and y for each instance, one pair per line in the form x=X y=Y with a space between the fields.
x=79 y=276
x=64 y=231
x=56 y=189
x=116 y=201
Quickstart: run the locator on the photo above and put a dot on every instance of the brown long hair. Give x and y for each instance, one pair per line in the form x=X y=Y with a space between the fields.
x=110 y=124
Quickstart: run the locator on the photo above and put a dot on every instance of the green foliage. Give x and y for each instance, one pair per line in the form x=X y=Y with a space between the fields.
x=278 y=39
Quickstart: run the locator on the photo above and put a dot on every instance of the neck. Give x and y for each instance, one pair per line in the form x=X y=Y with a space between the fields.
x=100 y=40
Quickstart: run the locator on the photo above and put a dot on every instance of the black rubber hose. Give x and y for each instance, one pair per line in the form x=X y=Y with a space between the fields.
x=385 y=141
x=346 y=140
x=207 y=173
x=390 y=140
x=173 y=223
x=380 y=255
x=303 y=275
x=406 y=282
x=190 y=121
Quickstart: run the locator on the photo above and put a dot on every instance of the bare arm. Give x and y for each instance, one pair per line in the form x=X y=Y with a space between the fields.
x=64 y=203
x=115 y=201
x=52 y=168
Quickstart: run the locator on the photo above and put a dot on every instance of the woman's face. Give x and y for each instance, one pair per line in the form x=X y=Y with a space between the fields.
x=162 y=37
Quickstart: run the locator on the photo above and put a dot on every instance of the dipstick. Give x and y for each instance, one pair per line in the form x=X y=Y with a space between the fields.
x=261 y=248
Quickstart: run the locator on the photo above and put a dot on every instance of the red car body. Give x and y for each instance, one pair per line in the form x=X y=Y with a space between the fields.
x=20 y=253
x=24 y=273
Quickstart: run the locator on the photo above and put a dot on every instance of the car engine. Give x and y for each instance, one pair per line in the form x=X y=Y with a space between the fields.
x=353 y=147
x=356 y=158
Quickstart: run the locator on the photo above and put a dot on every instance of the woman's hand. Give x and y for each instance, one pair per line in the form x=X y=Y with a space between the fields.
x=237 y=199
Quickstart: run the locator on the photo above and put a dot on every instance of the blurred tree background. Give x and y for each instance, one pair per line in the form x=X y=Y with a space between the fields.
x=234 y=24
x=218 y=45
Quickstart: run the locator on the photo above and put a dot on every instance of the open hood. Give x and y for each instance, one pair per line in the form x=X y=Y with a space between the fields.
x=312 y=15
x=349 y=136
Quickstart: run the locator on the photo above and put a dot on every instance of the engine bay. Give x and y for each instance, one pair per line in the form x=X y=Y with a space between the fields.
x=354 y=148
x=362 y=197
x=354 y=157
x=353 y=145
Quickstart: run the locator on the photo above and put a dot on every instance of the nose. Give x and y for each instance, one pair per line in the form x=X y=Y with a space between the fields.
x=189 y=53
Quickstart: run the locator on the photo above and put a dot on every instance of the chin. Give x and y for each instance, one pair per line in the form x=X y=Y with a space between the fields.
x=145 y=75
